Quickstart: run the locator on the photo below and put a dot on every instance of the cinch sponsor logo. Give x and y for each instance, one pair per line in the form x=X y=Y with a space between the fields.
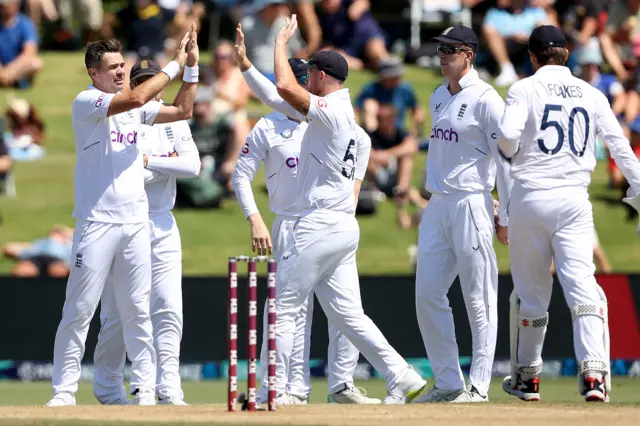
x=168 y=154
x=292 y=162
x=448 y=135
x=119 y=137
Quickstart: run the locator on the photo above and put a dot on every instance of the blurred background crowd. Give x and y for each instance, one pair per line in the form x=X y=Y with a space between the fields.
x=382 y=37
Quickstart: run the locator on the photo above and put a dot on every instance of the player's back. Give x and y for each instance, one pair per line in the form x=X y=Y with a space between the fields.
x=557 y=146
x=328 y=155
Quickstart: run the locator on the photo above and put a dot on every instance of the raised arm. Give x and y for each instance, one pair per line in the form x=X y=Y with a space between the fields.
x=260 y=85
x=182 y=107
x=286 y=84
x=145 y=92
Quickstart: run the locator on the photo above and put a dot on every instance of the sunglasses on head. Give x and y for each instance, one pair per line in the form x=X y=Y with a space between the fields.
x=446 y=49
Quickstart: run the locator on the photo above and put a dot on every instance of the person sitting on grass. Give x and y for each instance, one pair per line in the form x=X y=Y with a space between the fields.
x=49 y=256
x=19 y=60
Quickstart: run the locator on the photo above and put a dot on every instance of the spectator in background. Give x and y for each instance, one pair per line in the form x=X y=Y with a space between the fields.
x=506 y=32
x=184 y=13
x=48 y=256
x=264 y=20
x=390 y=89
x=589 y=58
x=5 y=163
x=38 y=9
x=230 y=95
x=19 y=60
x=391 y=160
x=621 y=28
x=142 y=24
x=87 y=12
x=349 y=28
x=580 y=20
x=24 y=134
x=212 y=135
x=617 y=180
x=309 y=25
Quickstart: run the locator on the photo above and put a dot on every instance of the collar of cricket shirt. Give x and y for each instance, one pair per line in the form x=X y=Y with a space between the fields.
x=469 y=79
x=339 y=94
x=553 y=69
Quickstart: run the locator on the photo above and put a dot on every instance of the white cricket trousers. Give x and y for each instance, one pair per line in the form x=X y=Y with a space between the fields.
x=456 y=238
x=117 y=255
x=322 y=260
x=342 y=355
x=166 y=317
x=545 y=224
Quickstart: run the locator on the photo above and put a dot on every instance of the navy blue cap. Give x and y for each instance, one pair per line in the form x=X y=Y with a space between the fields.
x=546 y=36
x=144 y=68
x=332 y=63
x=459 y=34
x=299 y=67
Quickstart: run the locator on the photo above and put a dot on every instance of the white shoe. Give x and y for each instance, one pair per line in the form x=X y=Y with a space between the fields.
x=144 y=397
x=475 y=396
x=351 y=395
x=123 y=400
x=407 y=389
x=441 y=395
x=289 y=399
x=507 y=76
x=171 y=400
x=62 y=399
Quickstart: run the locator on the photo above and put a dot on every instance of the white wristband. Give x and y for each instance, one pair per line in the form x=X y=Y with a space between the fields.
x=172 y=70
x=190 y=74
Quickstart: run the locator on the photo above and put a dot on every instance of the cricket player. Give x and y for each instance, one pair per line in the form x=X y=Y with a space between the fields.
x=457 y=227
x=111 y=242
x=326 y=233
x=169 y=153
x=550 y=125
x=276 y=141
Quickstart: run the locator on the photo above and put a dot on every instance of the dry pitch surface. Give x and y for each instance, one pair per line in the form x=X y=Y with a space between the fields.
x=318 y=414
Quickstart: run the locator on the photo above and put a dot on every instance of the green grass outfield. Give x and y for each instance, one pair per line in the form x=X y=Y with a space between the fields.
x=20 y=400
x=45 y=191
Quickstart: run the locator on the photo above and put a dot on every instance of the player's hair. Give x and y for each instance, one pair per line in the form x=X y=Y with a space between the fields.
x=97 y=49
x=551 y=56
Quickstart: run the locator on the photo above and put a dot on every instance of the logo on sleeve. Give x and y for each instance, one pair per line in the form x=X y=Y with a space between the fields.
x=245 y=149
x=438 y=106
x=322 y=103
x=100 y=100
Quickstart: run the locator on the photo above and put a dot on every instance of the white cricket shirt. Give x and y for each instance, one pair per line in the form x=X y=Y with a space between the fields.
x=276 y=140
x=463 y=149
x=550 y=124
x=108 y=180
x=328 y=155
x=159 y=142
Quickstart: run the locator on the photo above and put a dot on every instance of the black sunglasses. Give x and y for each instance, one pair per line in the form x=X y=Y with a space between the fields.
x=446 y=49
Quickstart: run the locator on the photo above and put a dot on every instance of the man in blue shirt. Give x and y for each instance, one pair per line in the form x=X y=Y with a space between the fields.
x=390 y=89
x=19 y=60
